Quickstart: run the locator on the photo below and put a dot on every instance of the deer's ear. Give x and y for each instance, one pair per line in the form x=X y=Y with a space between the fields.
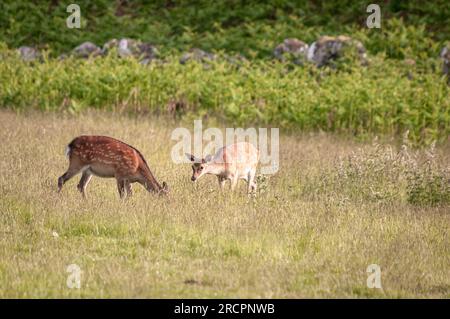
x=190 y=157
x=207 y=159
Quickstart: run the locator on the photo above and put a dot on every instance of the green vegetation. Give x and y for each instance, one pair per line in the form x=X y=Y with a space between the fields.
x=253 y=28
x=387 y=97
x=401 y=89
x=337 y=204
x=332 y=209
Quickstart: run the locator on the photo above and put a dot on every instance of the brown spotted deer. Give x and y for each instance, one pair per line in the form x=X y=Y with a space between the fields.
x=107 y=157
x=232 y=162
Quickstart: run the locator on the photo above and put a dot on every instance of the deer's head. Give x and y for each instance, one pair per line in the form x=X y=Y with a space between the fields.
x=164 y=190
x=199 y=166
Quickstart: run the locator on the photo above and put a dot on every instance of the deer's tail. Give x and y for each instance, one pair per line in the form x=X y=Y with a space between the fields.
x=68 y=150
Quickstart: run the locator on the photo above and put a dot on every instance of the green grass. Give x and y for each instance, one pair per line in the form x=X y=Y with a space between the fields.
x=402 y=88
x=307 y=235
x=385 y=98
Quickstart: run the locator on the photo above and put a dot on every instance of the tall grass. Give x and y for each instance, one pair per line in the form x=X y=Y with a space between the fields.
x=305 y=236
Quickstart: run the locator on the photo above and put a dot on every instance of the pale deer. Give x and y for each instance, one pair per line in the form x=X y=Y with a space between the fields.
x=232 y=162
x=107 y=157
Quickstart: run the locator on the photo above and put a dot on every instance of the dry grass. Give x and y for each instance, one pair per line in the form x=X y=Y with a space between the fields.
x=300 y=238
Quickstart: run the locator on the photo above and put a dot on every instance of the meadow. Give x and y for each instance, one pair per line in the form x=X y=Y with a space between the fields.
x=364 y=150
x=335 y=206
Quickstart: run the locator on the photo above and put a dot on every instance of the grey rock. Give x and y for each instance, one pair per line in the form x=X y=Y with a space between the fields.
x=197 y=55
x=62 y=57
x=86 y=50
x=328 y=49
x=29 y=54
x=113 y=43
x=236 y=60
x=130 y=47
x=292 y=50
x=127 y=47
x=147 y=51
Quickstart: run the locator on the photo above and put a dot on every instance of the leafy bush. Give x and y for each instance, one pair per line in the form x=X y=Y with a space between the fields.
x=382 y=98
x=252 y=28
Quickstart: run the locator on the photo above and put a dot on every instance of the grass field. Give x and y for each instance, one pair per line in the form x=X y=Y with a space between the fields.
x=311 y=232
x=341 y=201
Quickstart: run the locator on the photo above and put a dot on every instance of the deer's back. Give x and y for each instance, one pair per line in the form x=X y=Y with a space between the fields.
x=238 y=156
x=104 y=153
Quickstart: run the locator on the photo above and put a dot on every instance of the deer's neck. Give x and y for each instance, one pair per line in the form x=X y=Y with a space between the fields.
x=216 y=169
x=150 y=182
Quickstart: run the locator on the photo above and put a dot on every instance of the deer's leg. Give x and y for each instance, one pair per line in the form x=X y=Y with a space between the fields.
x=222 y=181
x=251 y=181
x=121 y=187
x=84 y=181
x=71 y=172
x=234 y=181
x=128 y=189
